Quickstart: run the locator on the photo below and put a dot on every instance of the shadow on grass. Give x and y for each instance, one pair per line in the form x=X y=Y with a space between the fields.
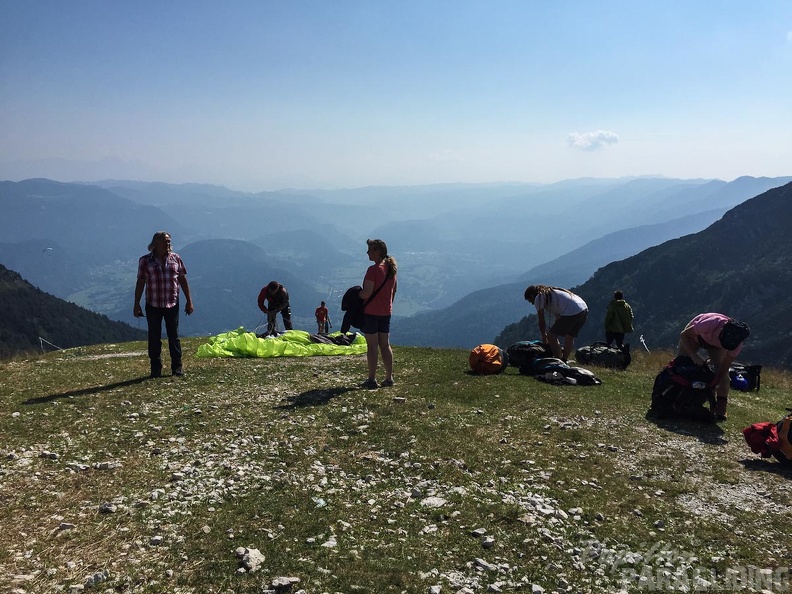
x=314 y=397
x=766 y=465
x=87 y=391
x=706 y=430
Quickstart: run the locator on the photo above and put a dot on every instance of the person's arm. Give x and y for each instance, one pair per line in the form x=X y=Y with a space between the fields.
x=261 y=298
x=188 y=306
x=609 y=313
x=137 y=311
x=540 y=314
x=368 y=289
x=689 y=345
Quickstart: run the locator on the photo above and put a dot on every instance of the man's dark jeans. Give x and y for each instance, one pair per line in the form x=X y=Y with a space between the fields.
x=154 y=317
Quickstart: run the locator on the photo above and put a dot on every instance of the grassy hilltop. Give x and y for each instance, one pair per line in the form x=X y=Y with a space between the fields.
x=447 y=482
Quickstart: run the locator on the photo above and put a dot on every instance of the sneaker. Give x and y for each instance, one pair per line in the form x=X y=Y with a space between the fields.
x=387 y=383
x=720 y=409
x=370 y=384
x=156 y=373
x=178 y=372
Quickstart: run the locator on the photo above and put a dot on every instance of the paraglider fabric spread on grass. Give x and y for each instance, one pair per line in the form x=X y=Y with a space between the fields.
x=292 y=343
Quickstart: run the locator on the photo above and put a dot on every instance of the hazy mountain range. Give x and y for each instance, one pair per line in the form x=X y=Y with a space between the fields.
x=465 y=252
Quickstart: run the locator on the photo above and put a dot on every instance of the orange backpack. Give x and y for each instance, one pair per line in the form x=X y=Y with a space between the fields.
x=487 y=359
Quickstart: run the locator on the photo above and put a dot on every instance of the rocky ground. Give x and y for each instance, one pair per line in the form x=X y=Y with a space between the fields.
x=137 y=514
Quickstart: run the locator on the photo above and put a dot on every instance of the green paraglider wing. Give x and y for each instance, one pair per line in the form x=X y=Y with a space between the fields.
x=292 y=343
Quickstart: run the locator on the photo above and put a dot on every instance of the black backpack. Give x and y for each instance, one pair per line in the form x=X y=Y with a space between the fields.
x=602 y=355
x=525 y=352
x=542 y=365
x=554 y=371
x=683 y=390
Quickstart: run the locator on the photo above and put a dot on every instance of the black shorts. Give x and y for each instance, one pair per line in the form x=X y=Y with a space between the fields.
x=569 y=325
x=375 y=324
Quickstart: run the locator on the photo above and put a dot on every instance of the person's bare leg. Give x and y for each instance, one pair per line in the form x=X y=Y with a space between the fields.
x=387 y=355
x=569 y=347
x=555 y=346
x=371 y=354
x=723 y=386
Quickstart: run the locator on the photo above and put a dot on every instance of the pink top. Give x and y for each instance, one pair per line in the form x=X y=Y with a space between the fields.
x=382 y=304
x=708 y=326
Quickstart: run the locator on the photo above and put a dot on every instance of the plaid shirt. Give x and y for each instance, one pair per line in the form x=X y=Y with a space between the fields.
x=162 y=283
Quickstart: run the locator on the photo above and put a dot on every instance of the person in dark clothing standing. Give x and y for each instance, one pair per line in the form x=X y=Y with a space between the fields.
x=277 y=300
x=161 y=273
x=618 y=320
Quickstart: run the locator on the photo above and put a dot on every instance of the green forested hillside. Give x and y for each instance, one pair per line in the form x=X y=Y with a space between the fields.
x=27 y=314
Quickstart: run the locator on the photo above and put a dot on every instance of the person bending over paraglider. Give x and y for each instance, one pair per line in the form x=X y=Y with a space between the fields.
x=277 y=299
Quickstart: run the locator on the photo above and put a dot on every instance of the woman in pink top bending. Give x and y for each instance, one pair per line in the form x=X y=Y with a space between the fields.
x=722 y=337
x=379 y=289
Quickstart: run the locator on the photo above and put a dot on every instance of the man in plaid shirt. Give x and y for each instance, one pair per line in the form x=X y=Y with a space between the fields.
x=162 y=272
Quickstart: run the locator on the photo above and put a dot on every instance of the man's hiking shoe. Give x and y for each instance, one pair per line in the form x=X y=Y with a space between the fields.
x=720 y=409
x=387 y=383
x=370 y=384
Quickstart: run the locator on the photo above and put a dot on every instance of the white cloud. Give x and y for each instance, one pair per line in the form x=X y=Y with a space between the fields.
x=592 y=141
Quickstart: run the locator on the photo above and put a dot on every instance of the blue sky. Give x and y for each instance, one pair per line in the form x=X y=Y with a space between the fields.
x=260 y=95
